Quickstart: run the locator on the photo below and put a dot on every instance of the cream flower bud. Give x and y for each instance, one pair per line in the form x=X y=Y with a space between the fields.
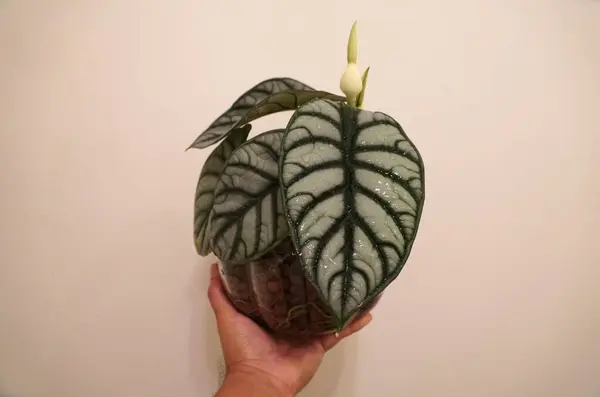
x=351 y=84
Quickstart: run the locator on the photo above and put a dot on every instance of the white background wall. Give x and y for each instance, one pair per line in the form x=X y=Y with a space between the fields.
x=101 y=292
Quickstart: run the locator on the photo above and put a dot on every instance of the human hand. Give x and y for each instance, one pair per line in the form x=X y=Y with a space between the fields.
x=258 y=363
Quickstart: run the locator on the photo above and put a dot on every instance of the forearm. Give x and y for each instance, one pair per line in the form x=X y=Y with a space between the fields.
x=245 y=385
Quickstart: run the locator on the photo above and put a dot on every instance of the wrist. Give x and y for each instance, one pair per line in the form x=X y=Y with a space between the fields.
x=252 y=383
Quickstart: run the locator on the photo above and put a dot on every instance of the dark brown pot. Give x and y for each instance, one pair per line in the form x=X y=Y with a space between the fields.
x=275 y=293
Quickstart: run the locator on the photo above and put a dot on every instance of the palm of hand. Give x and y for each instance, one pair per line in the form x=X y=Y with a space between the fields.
x=247 y=347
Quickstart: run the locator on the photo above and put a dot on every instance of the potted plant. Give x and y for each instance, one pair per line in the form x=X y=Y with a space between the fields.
x=312 y=221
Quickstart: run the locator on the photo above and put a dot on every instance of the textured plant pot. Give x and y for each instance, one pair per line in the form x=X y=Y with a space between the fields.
x=275 y=293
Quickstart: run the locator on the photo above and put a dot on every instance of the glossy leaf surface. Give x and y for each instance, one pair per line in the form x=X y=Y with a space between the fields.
x=270 y=96
x=352 y=185
x=205 y=189
x=247 y=218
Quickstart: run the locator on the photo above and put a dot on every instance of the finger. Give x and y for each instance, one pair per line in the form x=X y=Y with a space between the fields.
x=329 y=341
x=216 y=295
x=214 y=271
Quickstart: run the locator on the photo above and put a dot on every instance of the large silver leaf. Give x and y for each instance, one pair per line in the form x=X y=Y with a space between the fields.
x=247 y=218
x=352 y=185
x=205 y=189
x=270 y=96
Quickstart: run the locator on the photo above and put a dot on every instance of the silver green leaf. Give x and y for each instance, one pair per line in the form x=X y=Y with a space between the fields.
x=270 y=96
x=353 y=191
x=205 y=189
x=227 y=121
x=247 y=217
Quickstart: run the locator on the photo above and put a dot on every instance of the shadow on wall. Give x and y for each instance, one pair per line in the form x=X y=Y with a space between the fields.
x=205 y=351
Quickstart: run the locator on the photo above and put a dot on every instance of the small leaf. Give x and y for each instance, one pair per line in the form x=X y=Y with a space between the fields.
x=247 y=218
x=209 y=177
x=352 y=185
x=270 y=96
x=361 y=97
x=226 y=122
x=278 y=102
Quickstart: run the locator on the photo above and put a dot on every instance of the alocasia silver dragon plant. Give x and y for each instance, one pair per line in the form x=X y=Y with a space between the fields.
x=312 y=221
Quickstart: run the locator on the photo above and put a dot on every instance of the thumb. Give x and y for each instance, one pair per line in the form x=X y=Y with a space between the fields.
x=216 y=295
